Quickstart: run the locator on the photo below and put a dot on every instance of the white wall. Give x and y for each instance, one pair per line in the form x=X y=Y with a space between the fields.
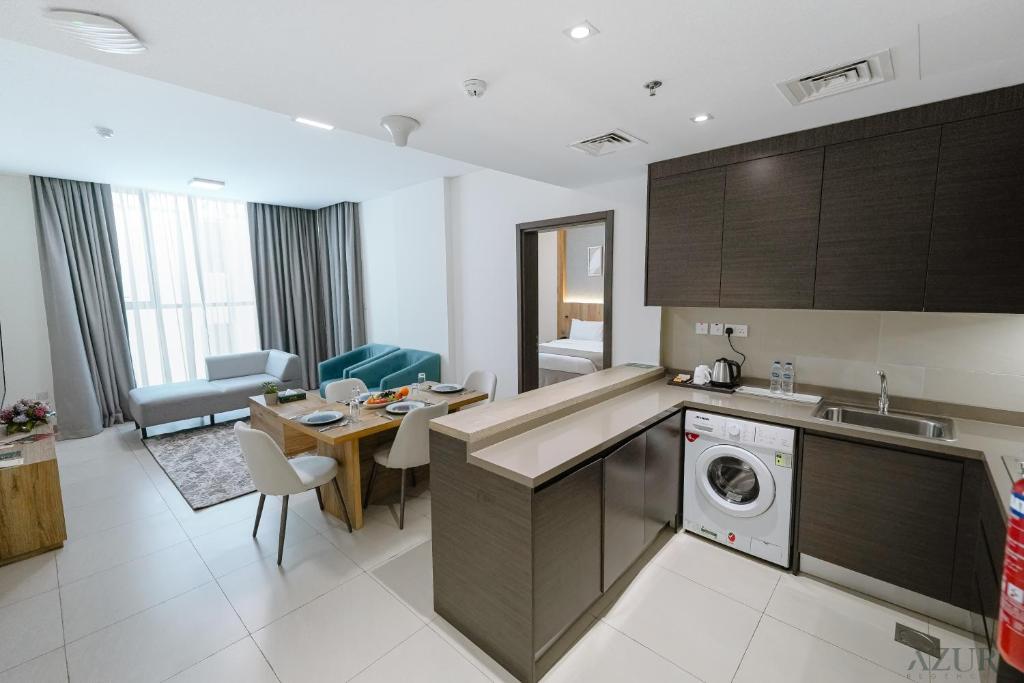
x=547 y=285
x=405 y=278
x=26 y=343
x=579 y=284
x=484 y=208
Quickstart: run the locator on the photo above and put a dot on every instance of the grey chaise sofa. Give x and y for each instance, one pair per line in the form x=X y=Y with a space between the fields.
x=231 y=380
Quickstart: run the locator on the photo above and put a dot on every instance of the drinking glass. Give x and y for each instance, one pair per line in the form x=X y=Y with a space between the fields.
x=353 y=405
x=421 y=384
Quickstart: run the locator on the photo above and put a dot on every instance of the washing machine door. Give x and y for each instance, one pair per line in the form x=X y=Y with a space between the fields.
x=735 y=481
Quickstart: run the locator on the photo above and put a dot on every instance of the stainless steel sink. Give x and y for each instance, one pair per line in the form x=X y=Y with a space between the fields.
x=904 y=423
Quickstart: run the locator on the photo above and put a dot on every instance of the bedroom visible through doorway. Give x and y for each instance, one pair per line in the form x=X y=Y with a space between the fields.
x=565 y=285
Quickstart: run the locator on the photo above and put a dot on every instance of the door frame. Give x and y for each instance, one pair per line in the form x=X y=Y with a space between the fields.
x=527 y=285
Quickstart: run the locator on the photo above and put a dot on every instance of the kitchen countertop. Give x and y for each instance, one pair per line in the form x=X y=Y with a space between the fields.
x=538 y=455
x=487 y=424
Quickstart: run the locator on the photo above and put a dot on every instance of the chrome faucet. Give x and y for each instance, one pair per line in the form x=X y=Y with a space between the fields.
x=883 y=398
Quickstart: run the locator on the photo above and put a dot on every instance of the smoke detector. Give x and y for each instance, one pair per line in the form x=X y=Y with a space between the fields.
x=400 y=127
x=96 y=31
x=607 y=143
x=104 y=132
x=475 y=87
x=839 y=79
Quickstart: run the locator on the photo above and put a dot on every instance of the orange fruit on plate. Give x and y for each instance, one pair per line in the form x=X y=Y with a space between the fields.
x=403 y=392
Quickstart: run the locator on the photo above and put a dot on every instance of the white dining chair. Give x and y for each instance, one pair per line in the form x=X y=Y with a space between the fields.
x=275 y=475
x=411 y=448
x=482 y=380
x=340 y=391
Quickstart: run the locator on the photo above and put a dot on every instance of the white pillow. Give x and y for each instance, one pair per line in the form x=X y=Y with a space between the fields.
x=586 y=330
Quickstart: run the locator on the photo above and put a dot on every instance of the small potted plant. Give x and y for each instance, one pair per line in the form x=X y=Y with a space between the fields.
x=270 y=390
x=24 y=415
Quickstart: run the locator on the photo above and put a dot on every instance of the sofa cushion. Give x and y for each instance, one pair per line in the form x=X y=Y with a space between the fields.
x=243 y=387
x=236 y=365
x=176 y=401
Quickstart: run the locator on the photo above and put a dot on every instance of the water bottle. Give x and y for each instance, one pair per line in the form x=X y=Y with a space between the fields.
x=776 y=378
x=788 y=372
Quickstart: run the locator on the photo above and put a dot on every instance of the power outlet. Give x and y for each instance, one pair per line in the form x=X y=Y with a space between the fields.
x=737 y=330
x=717 y=329
x=700 y=328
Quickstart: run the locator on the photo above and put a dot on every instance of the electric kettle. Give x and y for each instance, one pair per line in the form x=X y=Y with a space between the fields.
x=725 y=373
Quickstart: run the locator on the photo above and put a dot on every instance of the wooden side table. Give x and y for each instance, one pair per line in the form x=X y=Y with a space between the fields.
x=31 y=507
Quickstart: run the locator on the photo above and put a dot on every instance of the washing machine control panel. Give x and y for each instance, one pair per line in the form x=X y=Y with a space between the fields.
x=741 y=431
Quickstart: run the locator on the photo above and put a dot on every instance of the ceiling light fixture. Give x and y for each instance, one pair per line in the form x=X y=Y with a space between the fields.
x=652 y=87
x=581 y=31
x=97 y=31
x=701 y=118
x=206 y=184
x=399 y=127
x=315 y=124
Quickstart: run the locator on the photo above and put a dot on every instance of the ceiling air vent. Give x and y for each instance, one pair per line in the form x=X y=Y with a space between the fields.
x=606 y=143
x=874 y=69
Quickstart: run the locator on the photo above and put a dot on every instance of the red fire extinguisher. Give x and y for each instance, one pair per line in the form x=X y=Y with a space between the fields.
x=1011 y=601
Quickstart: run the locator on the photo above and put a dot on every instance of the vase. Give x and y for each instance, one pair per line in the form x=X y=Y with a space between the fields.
x=271 y=399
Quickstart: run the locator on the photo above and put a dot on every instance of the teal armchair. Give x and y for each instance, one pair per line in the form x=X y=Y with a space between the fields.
x=398 y=369
x=339 y=367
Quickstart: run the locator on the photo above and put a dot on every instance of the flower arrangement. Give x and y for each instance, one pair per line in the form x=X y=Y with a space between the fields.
x=24 y=415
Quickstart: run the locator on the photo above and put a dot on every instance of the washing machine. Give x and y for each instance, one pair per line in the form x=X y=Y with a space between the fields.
x=738 y=484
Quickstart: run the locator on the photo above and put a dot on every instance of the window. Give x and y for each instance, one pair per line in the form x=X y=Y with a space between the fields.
x=187 y=274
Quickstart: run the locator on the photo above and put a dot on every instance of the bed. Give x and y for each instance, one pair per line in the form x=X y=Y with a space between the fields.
x=581 y=354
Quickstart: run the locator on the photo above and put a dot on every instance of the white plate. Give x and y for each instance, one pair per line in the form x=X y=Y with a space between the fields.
x=447 y=388
x=323 y=417
x=403 y=407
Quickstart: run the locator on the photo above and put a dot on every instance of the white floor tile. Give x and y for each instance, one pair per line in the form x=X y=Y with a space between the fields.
x=965 y=657
x=423 y=657
x=469 y=650
x=159 y=642
x=779 y=653
x=850 y=621
x=337 y=635
x=84 y=556
x=48 y=668
x=410 y=576
x=233 y=546
x=30 y=628
x=119 y=592
x=604 y=655
x=242 y=661
x=720 y=569
x=199 y=522
x=699 y=630
x=100 y=487
x=112 y=463
x=262 y=591
x=26 y=578
x=131 y=505
x=379 y=540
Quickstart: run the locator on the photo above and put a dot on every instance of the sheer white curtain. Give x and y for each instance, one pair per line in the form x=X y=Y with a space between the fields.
x=188 y=283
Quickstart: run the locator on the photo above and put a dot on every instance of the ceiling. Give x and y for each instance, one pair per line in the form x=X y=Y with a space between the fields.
x=350 y=63
x=164 y=135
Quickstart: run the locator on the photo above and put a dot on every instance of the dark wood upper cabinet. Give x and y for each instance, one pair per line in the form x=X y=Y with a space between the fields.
x=879 y=511
x=684 y=239
x=876 y=215
x=977 y=243
x=771 y=231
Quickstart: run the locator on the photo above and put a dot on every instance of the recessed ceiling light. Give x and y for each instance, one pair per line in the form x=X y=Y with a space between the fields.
x=206 y=184
x=701 y=118
x=315 y=124
x=581 y=31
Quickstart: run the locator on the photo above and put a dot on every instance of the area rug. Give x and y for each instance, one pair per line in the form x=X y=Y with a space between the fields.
x=206 y=464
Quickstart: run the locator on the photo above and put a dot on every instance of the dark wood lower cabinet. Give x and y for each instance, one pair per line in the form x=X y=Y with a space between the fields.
x=566 y=551
x=885 y=513
x=623 y=507
x=662 y=483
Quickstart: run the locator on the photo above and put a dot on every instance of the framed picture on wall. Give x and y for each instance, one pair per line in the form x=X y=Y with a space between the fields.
x=595 y=261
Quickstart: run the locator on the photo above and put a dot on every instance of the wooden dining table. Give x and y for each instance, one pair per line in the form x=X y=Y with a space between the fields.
x=375 y=427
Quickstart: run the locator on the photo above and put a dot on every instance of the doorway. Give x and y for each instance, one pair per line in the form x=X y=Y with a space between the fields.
x=564 y=268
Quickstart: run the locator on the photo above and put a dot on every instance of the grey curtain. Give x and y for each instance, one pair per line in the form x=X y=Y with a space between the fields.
x=92 y=366
x=308 y=293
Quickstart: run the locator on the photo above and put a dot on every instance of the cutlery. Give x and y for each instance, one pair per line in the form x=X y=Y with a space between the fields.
x=334 y=426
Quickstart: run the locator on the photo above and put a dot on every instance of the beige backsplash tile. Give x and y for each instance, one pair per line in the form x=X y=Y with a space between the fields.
x=973 y=359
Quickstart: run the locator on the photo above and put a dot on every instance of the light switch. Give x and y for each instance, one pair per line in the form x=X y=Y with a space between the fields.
x=717 y=329
x=701 y=328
